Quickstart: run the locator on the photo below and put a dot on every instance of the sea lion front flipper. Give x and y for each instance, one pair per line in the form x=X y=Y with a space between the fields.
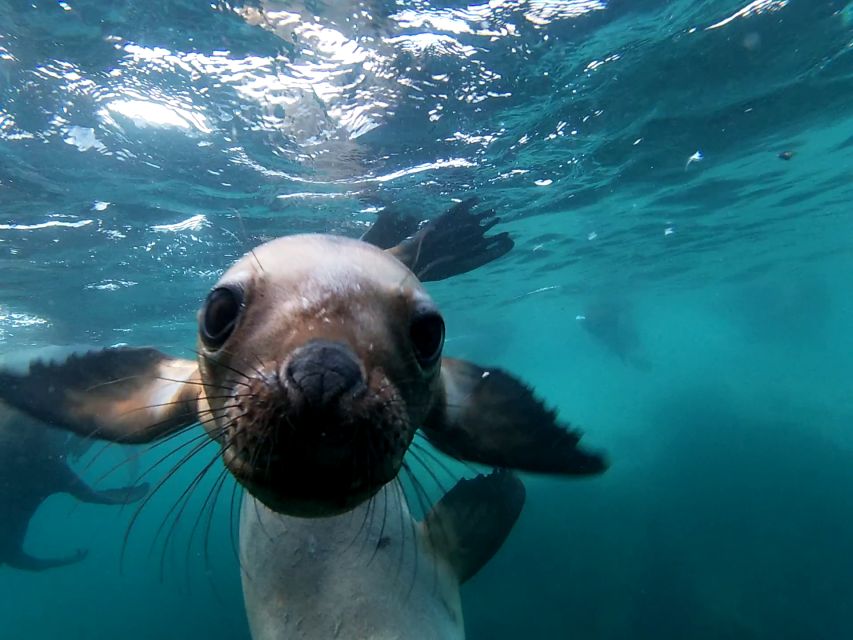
x=453 y=243
x=471 y=522
x=492 y=418
x=122 y=394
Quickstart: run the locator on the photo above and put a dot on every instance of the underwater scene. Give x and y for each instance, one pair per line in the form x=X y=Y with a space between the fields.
x=566 y=354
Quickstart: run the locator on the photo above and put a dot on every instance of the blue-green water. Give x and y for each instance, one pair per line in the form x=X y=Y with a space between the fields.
x=632 y=149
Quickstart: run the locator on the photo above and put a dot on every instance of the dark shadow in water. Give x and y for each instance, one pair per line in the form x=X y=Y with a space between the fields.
x=611 y=322
x=33 y=467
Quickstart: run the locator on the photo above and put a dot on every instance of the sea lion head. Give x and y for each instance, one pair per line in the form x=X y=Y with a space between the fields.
x=320 y=357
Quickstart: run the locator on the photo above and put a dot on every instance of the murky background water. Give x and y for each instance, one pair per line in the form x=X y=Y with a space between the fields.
x=678 y=288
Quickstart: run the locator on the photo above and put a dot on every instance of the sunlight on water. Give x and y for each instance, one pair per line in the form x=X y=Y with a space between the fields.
x=753 y=8
x=144 y=114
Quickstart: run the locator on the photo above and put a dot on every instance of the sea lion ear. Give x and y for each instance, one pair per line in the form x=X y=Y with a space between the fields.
x=452 y=244
x=490 y=417
x=123 y=394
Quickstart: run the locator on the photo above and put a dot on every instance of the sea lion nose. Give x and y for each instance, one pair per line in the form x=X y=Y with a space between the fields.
x=323 y=371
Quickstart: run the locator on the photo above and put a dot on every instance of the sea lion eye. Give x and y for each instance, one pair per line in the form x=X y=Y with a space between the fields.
x=427 y=335
x=219 y=316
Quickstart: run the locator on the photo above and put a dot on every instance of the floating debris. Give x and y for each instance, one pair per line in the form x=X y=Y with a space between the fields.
x=696 y=157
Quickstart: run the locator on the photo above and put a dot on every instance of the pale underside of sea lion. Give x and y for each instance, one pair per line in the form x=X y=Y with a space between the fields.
x=373 y=573
x=319 y=360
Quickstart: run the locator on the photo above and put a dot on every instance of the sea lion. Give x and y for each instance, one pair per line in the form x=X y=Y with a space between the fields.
x=610 y=321
x=318 y=359
x=33 y=467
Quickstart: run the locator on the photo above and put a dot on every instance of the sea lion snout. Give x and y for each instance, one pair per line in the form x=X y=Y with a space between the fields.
x=323 y=371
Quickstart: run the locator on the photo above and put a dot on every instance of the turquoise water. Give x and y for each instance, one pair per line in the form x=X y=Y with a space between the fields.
x=678 y=289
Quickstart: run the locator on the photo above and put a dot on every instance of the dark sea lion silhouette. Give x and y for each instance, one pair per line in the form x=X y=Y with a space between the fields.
x=319 y=359
x=611 y=322
x=34 y=466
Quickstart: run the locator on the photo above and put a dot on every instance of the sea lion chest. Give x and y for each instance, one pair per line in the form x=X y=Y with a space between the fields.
x=369 y=574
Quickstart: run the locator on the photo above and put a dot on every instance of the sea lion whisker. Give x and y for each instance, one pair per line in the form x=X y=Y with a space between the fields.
x=256 y=451
x=420 y=492
x=204 y=438
x=355 y=465
x=211 y=582
x=452 y=453
x=138 y=454
x=211 y=495
x=379 y=540
x=398 y=486
x=361 y=526
x=221 y=364
x=368 y=520
x=132 y=457
x=429 y=471
x=260 y=266
x=177 y=402
x=371 y=512
x=239 y=357
x=107 y=444
x=417 y=253
x=183 y=500
x=263 y=446
x=269 y=457
x=107 y=383
x=96 y=432
x=151 y=494
x=269 y=440
x=204 y=435
x=368 y=455
x=223 y=477
x=260 y=522
x=416 y=555
x=251 y=249
x=198 y=423
x=199 y=383
x=439 y=519
x=427 y=450
x=422 y=272
x=253 y=463
x=217 y=487
x=259 y=371
x=233 y=523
